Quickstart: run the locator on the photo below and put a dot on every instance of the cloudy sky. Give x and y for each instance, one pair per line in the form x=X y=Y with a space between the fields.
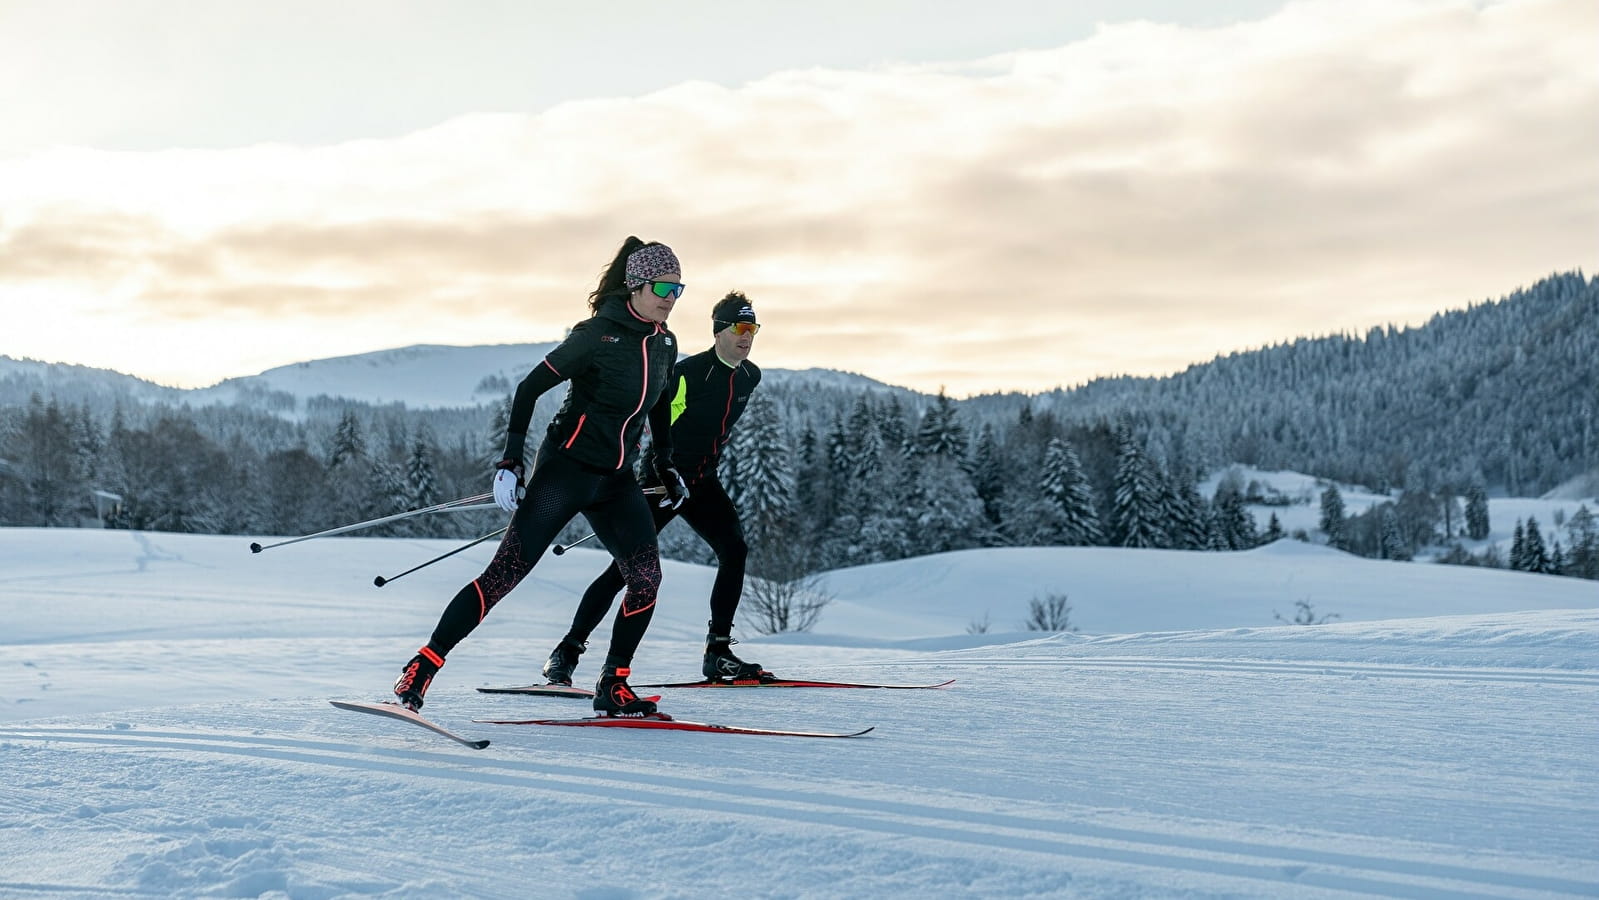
x=993 y=196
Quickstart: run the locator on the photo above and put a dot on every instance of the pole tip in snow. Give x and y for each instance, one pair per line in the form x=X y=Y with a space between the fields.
x=380 y=581
x=254 y=547
x=559 y=549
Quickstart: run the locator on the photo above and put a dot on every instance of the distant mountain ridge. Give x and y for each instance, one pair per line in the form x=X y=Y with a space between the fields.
x=420 y=376
x=1505 y=391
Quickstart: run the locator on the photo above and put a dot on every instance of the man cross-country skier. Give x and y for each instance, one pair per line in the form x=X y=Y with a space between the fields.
x=710 y=392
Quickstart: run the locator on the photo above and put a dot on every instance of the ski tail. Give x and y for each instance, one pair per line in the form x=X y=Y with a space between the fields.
x=396 y=711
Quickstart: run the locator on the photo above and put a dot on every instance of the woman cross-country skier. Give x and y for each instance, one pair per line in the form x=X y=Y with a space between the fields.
x=710 y=392
x=619 y=363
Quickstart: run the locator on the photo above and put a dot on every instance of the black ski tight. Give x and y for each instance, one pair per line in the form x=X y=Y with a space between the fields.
x=712 y=516
x=560 y=489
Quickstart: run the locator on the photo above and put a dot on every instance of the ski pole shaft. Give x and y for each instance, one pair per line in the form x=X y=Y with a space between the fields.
x=460 y=505
x=559 y=549
x=381 y=581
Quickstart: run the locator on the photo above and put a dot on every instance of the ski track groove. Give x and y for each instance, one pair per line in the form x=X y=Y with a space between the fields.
x=34 y=887
x=1356 y=670
x=1212 y=856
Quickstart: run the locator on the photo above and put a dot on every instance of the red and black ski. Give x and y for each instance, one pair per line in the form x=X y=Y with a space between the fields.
x=796 y=683
x=542 y=690
x=664 y=722
x=562 y=690
x=396 y=711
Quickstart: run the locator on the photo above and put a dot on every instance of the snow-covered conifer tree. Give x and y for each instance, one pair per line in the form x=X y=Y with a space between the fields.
x=948 y=512
x=1233 y=518
x=349 y=444
x=765 y=475
x=1332 y=517
x=941 y=432
x=493 y=440
x=1067 y=490
x=1583 y=555
x=1534 y=556
x=1390 y=543
x=421 y=476
x=1477 y=511
x=988 y=476
x=1274 y=530
x=1136 y=510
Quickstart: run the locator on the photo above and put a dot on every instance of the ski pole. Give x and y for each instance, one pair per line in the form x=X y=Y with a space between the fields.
x=460 y=505
x=381 y=581
x=558 y=549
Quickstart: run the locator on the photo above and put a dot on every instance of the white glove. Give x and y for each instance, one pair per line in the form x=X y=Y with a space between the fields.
x=508 y=489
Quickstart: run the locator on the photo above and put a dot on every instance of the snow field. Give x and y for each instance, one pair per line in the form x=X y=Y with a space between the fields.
x=165 y=732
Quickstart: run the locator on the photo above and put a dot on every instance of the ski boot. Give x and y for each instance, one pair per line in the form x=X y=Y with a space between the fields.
x=563 y=659
x=613 y=696
x=415 y=678
x=720 y=662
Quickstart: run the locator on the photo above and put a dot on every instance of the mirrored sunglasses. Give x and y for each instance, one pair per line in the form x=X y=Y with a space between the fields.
x=665 y=289
x=741 y=327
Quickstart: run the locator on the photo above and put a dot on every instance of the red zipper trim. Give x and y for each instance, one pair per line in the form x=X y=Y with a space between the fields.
x=644 y=390
x=580 y=420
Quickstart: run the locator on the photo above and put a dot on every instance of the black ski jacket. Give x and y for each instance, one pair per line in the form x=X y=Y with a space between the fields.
x=708 y=397
x=619 y=365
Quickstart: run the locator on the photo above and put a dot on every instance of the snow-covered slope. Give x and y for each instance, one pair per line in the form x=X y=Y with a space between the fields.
x=164 y=732
x=1114 y=590
x=1303 y=510
x=423 y=376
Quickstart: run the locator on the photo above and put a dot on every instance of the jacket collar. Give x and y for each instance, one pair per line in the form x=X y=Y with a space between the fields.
x=616 y=310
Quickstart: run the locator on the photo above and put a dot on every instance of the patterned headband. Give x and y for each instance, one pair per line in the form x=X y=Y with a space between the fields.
x=648 y=263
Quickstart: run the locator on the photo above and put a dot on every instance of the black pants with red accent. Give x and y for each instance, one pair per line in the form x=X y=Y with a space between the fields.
x=560 y=489
x=711 y=514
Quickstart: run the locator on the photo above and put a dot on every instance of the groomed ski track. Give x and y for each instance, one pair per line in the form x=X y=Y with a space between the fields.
x=1107 y=798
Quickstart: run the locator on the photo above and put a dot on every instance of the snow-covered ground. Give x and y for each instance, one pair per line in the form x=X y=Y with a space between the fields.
x=164 y=731
x=1303 y=512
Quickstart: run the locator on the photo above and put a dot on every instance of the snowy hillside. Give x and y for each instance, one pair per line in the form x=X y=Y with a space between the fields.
x=423 y=376
x=165 y=732
x=1302 y=495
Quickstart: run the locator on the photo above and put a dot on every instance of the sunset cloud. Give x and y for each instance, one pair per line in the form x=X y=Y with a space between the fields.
x=1129 y=203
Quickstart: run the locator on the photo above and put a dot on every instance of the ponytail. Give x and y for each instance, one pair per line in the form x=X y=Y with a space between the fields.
x=613 y=281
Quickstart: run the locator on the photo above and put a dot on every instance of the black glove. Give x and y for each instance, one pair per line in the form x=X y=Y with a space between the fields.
x=672 y=481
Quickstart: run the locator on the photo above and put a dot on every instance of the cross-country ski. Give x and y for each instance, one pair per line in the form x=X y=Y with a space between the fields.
x=541 y=690
x=796 y=683
x=663 y=722
x=396 y=711
x=566 y=690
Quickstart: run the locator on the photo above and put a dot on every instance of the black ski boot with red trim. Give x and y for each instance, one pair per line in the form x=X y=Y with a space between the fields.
x=414 y=679
x=720 y=663
x=614 y=697
x=563 y=660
